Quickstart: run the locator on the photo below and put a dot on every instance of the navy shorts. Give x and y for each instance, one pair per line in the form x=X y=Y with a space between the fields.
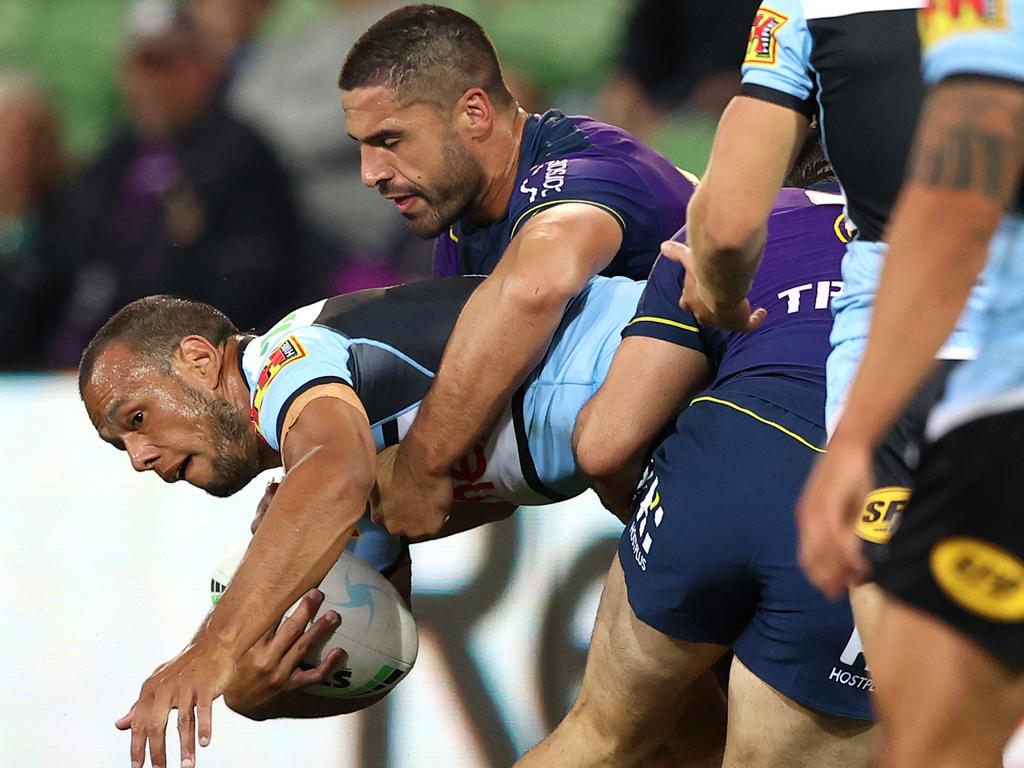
x=710 y=552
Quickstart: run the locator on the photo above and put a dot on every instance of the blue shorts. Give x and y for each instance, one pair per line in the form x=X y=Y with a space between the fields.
x=710 y=553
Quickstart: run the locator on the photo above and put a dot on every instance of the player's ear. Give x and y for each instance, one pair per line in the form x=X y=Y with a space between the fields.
x=473 y=115
x=200 y=358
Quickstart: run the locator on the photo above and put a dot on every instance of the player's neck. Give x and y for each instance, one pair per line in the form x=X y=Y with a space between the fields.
x=501 y=183
x=236 y=391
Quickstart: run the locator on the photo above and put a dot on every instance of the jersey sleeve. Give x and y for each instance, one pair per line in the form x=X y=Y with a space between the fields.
x=446 y=255
x=294 y=363
x=777 y=67
x=658 y=314
x=604 y=182
x=960 y=37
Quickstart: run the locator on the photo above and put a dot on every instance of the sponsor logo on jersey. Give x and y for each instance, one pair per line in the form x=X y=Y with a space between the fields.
x=648 y=517
x=980 y=577
x=852 y=656
x=554 y=180
x=467 y=474
x=881 y=514
x=763 y=45
x=943 y=18
x=286 y=352
x=822 y=293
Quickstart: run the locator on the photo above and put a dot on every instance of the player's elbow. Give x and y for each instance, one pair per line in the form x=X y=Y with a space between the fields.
x=539 y=295
x=723 y=227
x=598 y=453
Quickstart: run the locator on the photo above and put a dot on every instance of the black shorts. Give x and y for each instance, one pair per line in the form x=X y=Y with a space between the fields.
x=895 y=462
x=959 y=550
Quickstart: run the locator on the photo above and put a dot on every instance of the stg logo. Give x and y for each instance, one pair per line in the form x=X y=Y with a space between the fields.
x=648 y=518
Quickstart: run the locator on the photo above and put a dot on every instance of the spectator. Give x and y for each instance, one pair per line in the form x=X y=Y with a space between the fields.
x=290 y=91
x=32 y=170
x=186 y=200
x=229 y=26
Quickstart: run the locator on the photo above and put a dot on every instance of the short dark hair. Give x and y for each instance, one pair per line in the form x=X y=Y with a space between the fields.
x=426 y=53
x=811 y=166
x=154 y=327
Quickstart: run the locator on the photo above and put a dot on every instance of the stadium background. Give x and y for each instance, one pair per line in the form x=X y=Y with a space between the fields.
x=106 y=572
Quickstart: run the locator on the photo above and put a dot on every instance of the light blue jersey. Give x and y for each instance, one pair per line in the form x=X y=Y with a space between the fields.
x=985 y=38
x=386 y=345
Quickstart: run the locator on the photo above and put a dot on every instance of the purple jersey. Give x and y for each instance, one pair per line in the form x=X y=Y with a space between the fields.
x=799 y=276
x=579 y=160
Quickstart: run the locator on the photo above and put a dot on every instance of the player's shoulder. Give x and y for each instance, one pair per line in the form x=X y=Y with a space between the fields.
x=973 y=38
x=817 y=213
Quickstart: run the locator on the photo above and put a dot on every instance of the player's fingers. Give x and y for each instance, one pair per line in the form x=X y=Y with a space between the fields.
x=755 y=318
x=303 y=677
x=320 y=629
x=138 y=745
x=292 y=628
x=156 y=732
x=124 y=722
x=204 y=710
x=187 y=734
x=674 y=251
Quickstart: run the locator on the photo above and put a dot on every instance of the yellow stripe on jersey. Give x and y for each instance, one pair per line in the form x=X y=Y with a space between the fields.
x=663 y=321
x=452 y=235
x=769 y=422
x=549 y=203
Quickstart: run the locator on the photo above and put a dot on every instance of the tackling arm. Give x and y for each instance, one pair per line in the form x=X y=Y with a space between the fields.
x=649 y=383
x=500 y=336
x=727 y=215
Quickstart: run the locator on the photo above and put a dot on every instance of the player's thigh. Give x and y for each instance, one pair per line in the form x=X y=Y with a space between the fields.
x=636 y=679
x=945 y=700
x=769 y=730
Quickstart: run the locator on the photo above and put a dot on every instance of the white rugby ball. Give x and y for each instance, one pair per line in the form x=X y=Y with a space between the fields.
x=377 y=633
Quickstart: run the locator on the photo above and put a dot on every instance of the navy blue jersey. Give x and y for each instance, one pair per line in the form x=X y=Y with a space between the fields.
x=579 y=160
x=799 y=276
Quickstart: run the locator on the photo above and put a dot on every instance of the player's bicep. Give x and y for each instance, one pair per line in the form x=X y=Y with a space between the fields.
x=560 y=249
x=649 y=382
x=328 y=418
x=754 y=148
x=970 y=142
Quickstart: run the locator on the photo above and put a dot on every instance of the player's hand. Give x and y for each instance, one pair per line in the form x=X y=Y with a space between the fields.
x=188 y=683
x=264 y=505
x=271 y=667
x=830 y=551
x=696 y=298
x=407 y=500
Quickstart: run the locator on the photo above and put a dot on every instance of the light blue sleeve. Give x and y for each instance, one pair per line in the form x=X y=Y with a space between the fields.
x=973 y=38
x=304 y=358
x=779 y=51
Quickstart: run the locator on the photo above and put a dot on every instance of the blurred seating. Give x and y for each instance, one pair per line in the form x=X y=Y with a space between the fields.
x=186 y=199
x=33 y=169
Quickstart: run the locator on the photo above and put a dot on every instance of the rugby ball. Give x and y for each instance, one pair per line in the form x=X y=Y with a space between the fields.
x=377 y=633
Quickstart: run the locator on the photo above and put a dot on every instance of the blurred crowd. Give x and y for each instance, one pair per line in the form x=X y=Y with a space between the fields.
x=198 y=147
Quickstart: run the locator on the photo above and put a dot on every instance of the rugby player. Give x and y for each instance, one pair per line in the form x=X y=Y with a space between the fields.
x=949 y=653
x=708 y=559
x=174 y=384
x=857 y=65
x=541 y=203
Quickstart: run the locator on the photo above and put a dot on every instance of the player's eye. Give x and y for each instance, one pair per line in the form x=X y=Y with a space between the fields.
x=137 y=419
x=389 y=143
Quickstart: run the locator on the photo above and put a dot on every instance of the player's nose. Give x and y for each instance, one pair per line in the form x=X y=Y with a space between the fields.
x=143 y=456
x=372 y=166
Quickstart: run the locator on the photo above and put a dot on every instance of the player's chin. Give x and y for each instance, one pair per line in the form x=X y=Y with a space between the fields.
x=223 y=485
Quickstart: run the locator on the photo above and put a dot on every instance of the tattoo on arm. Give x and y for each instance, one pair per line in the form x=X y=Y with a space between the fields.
x=971 y=138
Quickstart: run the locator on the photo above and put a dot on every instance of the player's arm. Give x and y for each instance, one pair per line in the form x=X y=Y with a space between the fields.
x=650 y=381
x=502 y=333
x=328 y=454
x=966 y=166
x=965 y=170
x=754 y=148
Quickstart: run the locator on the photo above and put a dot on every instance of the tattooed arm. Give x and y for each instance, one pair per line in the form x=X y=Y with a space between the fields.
x=965 y=170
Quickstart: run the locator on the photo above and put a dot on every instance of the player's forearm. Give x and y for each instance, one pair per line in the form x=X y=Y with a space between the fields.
x=302 y=534
x=727 y=251
x=933 y=261
x=497 y=341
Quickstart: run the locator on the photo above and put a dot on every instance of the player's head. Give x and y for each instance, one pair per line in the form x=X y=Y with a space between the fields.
x=423 y=93
x=155 y=380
